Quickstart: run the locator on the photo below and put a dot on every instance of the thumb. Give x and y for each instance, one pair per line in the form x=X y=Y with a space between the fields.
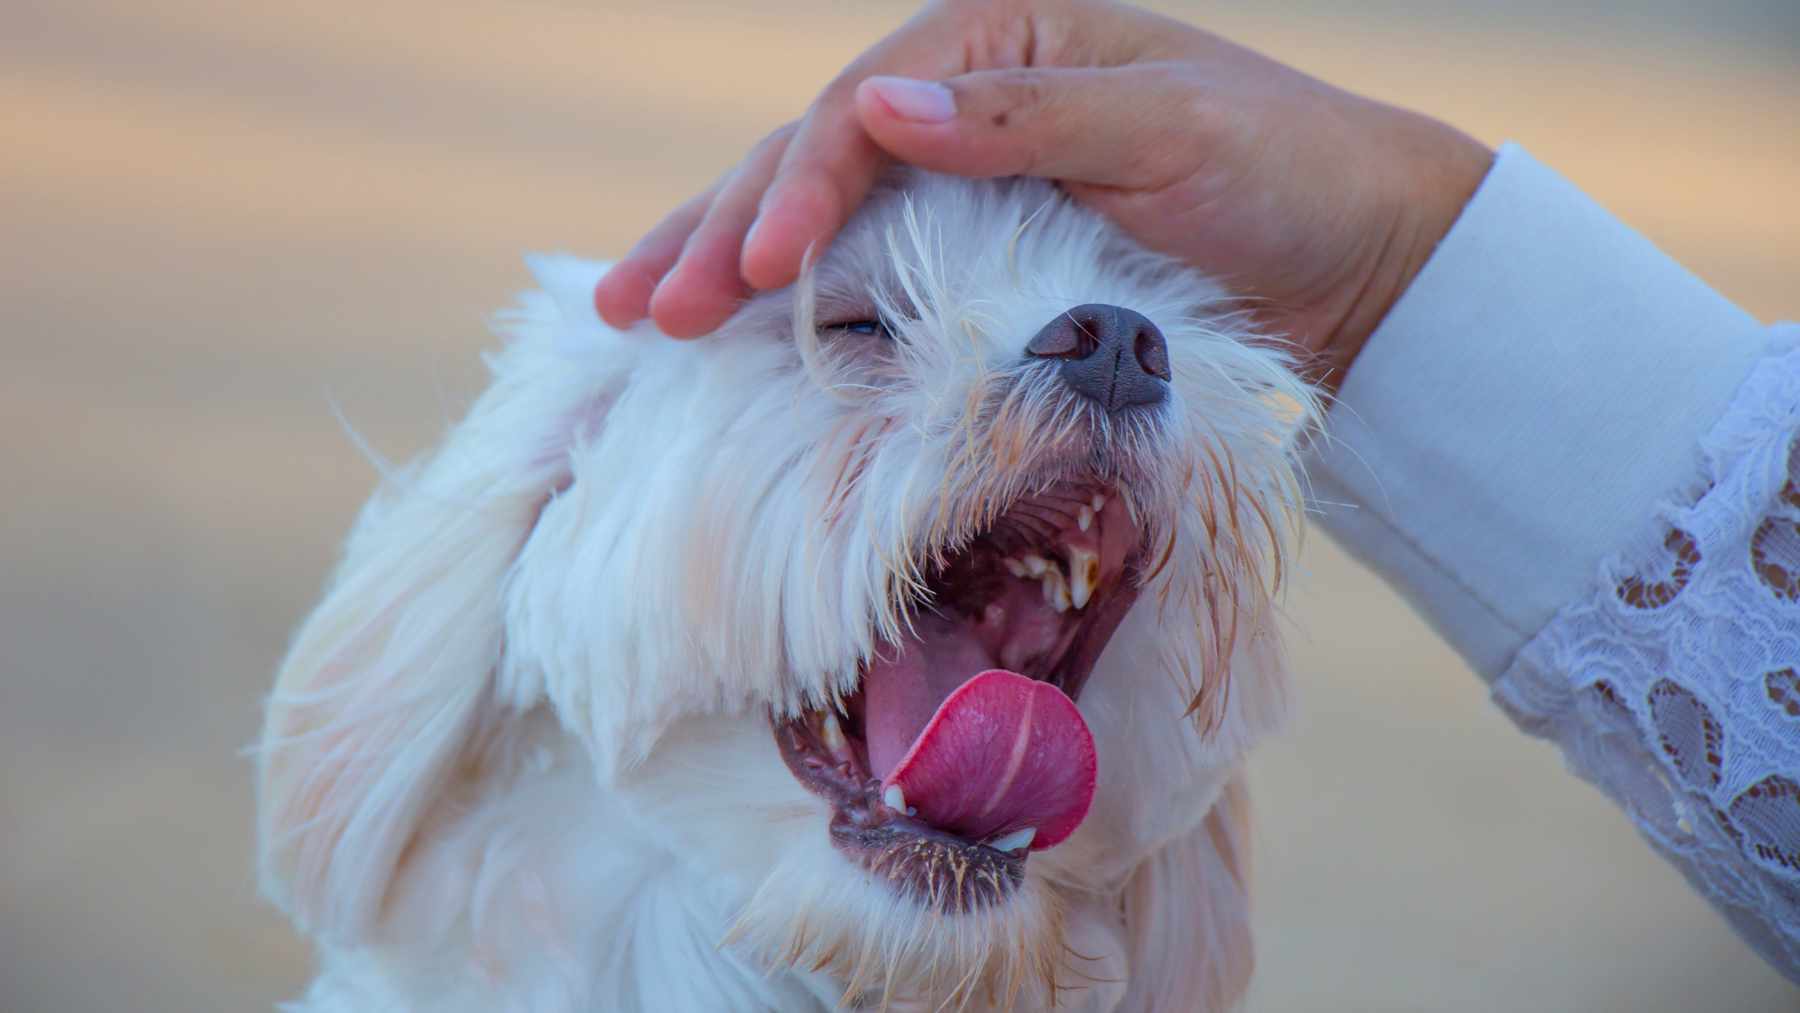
x=1128 y=127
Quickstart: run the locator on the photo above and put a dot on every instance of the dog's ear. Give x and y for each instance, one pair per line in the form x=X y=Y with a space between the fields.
x=1187 y=910
x=388 y=680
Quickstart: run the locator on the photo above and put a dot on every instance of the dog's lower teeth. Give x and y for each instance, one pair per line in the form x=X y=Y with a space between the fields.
x=894 y=798
x=1098 y=503
x=1085 y=519
x=832 y=733
x=1018 y=840
x=1056 y=589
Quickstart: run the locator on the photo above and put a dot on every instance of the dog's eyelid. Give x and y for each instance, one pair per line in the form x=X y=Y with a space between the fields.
x=873 y=327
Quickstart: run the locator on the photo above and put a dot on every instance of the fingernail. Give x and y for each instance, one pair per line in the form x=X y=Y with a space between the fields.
x=915 y=100
x=750 y=236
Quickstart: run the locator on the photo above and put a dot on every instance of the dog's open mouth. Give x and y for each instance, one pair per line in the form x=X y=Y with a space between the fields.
x=963 y=750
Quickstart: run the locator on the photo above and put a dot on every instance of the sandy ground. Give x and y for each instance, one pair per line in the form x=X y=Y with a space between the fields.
x=219 y=222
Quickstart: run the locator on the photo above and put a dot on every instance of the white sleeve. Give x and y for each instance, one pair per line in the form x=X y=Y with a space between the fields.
x=1578 y=462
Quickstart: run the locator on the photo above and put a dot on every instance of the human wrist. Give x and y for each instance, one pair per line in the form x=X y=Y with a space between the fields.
x=1429 y=171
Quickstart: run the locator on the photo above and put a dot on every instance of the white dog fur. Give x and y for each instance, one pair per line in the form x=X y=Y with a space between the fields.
x=520 y=757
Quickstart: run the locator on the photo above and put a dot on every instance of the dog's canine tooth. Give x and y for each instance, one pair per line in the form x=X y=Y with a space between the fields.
x=1015 y=841
x=894 y=798
x=1085 y=519
x=1084 y=573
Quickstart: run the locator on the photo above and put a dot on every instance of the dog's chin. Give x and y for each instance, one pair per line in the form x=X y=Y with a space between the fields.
x=954 y=760
x=863 y=944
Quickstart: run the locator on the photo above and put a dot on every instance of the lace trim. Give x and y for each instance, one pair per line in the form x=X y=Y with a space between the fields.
x=1676 y=688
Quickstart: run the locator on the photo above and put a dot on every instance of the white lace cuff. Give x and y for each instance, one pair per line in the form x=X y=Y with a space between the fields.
x=1676 y=687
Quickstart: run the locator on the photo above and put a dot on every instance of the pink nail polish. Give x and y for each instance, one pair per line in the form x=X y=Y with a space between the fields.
x=915 y=100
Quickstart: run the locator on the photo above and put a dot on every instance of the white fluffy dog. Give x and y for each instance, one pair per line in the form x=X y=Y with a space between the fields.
x=738 y=674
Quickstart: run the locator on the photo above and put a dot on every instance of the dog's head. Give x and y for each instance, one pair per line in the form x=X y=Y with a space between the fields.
x=928 y=598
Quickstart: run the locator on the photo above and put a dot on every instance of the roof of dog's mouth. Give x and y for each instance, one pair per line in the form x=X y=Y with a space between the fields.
x=963 y=742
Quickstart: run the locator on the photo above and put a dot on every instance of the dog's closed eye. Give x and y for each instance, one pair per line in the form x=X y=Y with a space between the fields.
x=863 y=328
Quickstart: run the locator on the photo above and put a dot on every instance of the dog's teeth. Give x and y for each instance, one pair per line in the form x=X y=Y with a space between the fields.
x=1084 y=573
x=1035 y=565
x=1098 y=502
x=833 y=733
x=1018 y=840
x=1085 y=519
x=895 y=799
x=1014 y=567
x=1056 y=589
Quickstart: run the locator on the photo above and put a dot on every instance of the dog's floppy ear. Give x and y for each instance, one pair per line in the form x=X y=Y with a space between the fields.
x=1187 y=910
x=388 y=679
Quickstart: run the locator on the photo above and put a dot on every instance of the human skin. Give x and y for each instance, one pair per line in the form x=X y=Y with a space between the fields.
x=1316 y=206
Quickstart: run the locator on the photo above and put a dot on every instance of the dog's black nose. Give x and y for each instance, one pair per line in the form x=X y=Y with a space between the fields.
x=1110 y=354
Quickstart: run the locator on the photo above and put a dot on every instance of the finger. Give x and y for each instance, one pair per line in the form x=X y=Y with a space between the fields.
x=806 y=211
x=1134 y=127
x=622 y=297
x=831 y=164
x=704 y=287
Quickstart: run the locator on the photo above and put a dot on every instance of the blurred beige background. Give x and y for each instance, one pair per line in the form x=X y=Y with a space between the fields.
x=219 y=223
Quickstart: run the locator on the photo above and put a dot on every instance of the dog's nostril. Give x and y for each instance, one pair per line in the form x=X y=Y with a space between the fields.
x=1109 y=354
x=1152 y=352
x=1060 y=339
x=1089 y=332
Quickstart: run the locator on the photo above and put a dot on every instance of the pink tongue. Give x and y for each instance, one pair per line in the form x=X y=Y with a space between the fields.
x=1003 y=752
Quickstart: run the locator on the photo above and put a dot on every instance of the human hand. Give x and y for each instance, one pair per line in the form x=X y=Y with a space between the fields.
x=1316 y=206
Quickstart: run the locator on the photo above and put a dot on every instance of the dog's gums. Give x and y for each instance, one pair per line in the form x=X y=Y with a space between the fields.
x=962 y=750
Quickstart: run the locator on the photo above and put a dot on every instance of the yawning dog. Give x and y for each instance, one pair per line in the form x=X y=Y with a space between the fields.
x=896 y=647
